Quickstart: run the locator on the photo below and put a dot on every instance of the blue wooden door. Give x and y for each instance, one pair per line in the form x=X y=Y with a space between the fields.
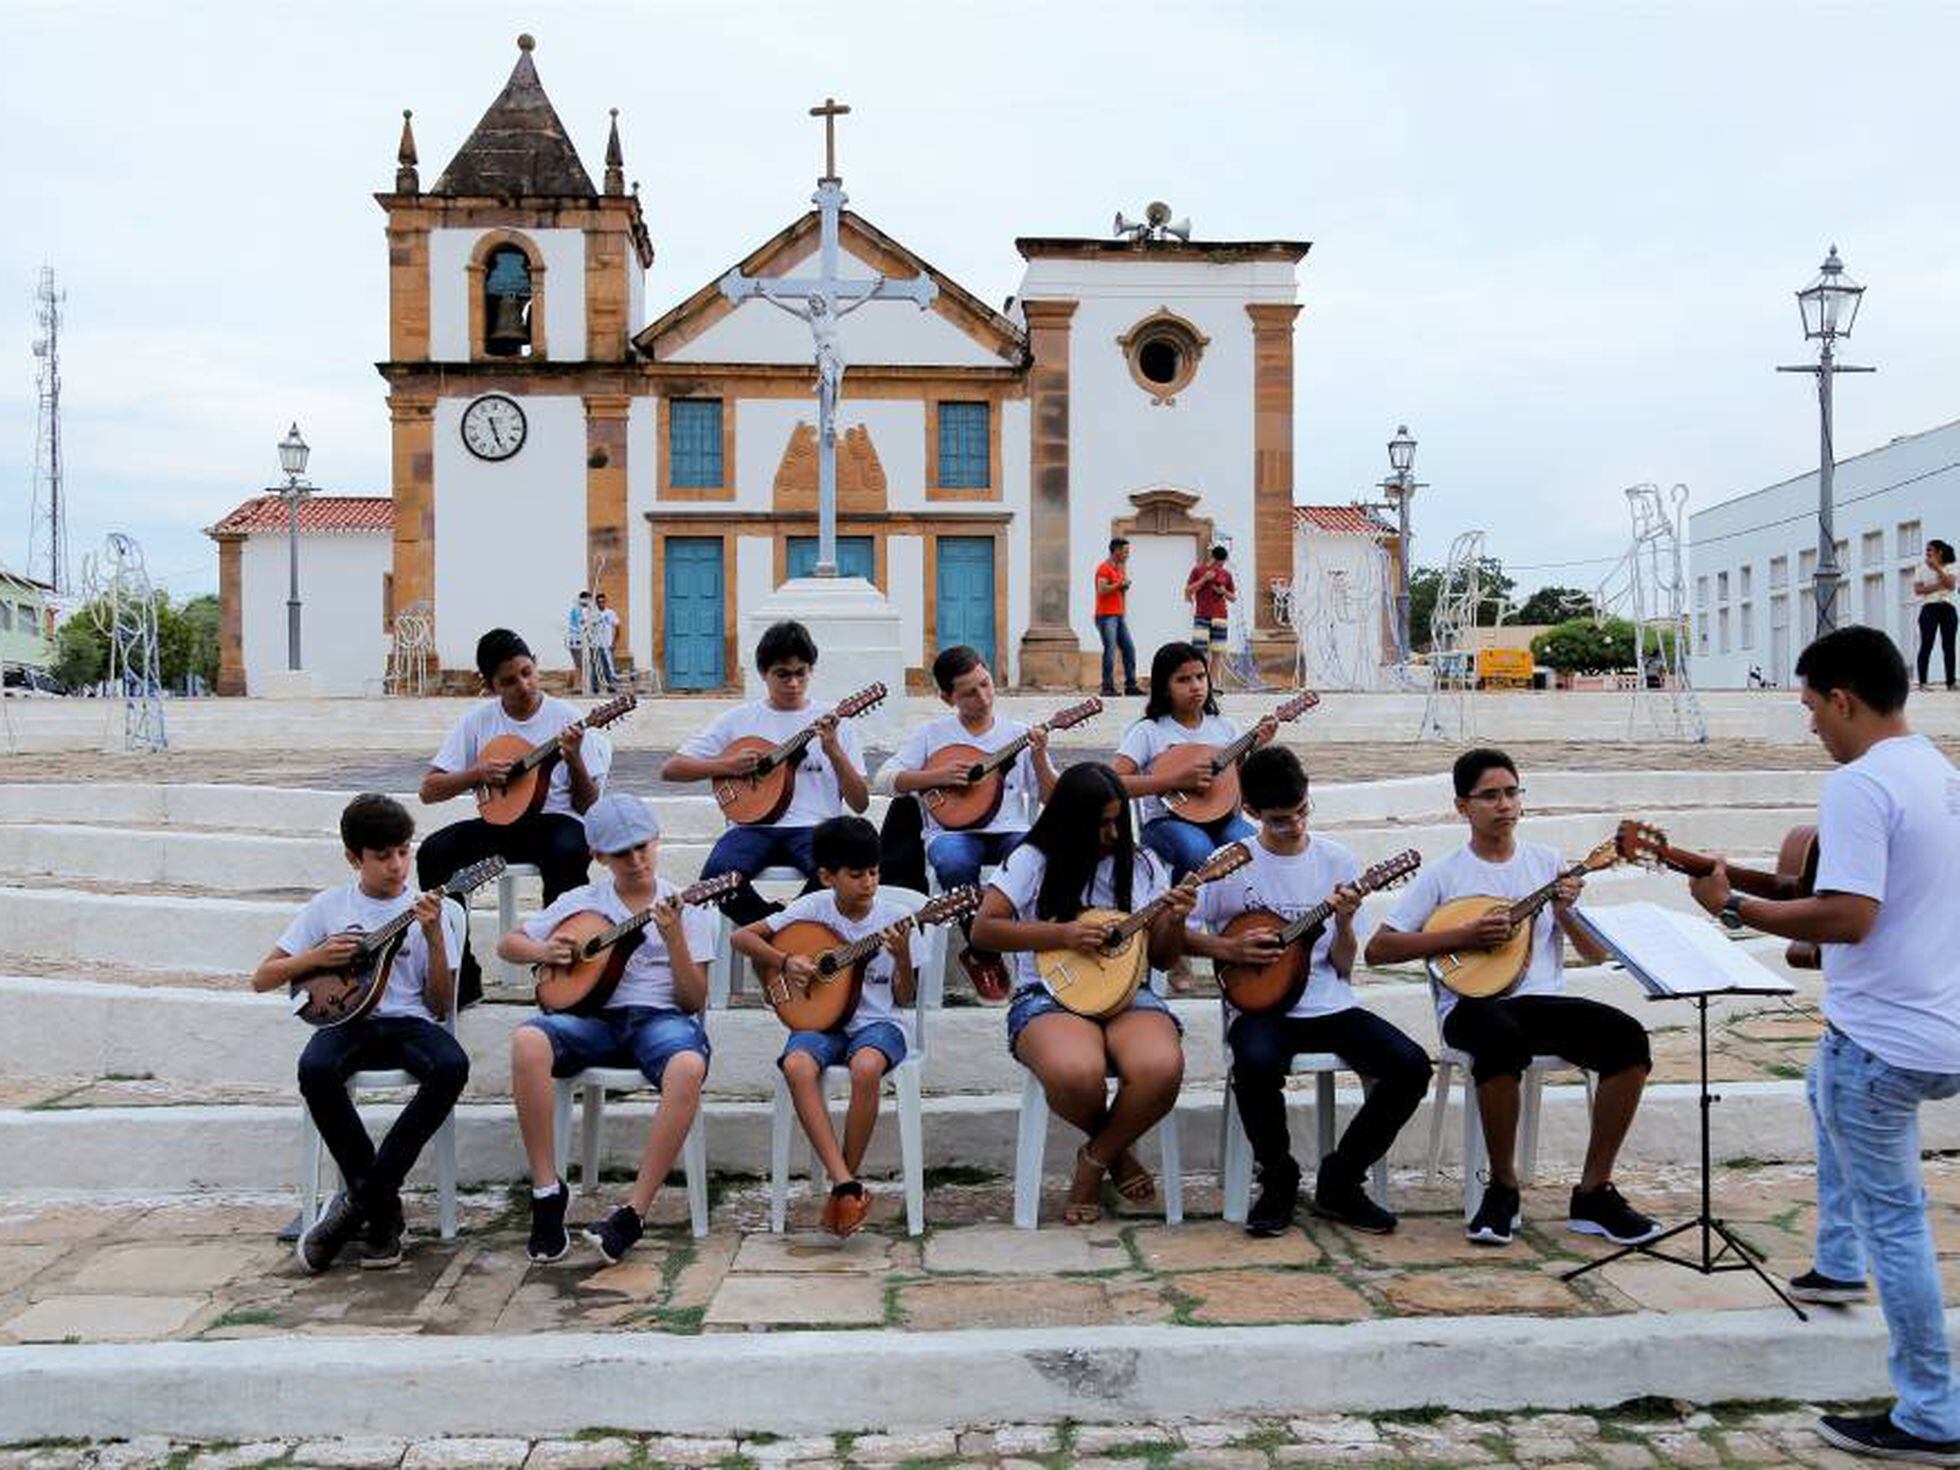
x=966 y=594
x=694 y=613
x=854 y=557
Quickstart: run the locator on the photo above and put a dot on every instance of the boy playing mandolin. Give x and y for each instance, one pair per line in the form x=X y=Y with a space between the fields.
x=652 y=1021
x=401 y=1032
x=1289 y=874
x=826 y=780
x=1502 y=1033
x=869 y=1041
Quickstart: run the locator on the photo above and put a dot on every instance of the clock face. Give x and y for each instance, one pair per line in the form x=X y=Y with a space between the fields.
x=493 y=427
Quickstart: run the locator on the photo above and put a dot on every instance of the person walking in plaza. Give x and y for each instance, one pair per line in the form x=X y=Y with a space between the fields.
x=577 y=634
x=602 y=632
x=1888 y=835
x=1935 y=589
x=1112 y=617
x=1211 y=591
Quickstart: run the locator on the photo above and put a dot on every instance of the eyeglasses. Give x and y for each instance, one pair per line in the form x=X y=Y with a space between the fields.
x=1497 y=793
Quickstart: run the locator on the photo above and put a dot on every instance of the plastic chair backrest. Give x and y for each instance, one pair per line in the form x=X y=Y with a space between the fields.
x=930 y=970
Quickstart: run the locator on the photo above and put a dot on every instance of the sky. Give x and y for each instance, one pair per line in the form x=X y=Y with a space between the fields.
x=1559 y=242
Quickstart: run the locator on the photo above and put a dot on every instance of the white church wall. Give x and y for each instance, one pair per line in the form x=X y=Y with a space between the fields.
x=898 y=433
x=1014 y=497
x=534 y=500
x=642 y=453
x=762 y=430
x=563 y=252
x=755 y=579
x=342 y=641
x=905 y=584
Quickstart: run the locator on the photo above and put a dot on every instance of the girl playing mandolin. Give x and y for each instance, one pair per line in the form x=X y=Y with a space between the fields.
x=1034 y=904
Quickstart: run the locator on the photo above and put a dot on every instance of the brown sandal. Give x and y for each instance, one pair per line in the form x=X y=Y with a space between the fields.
x=1134 y=1184
x=1086 y=1212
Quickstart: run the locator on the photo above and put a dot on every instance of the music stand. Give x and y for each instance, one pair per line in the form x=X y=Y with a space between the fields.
x=1676 y=956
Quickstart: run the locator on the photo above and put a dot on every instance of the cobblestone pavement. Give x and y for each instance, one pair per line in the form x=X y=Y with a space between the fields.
x=1635 y=1437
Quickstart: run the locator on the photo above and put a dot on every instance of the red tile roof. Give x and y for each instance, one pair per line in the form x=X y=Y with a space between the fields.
x=317 y=514
x=1341 y=520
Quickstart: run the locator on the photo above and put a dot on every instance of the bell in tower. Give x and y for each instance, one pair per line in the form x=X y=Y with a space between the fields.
x=507 y=303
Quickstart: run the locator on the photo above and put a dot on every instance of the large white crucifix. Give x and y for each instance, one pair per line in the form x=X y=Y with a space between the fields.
x=823 y=300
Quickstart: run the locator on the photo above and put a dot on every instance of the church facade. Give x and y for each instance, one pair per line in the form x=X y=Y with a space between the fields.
x=548 y=437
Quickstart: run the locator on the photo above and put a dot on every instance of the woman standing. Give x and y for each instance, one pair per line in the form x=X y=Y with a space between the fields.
x=1935 y=590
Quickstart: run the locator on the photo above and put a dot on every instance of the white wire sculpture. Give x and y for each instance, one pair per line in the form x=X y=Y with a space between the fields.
x=1650 y=585
x=1338 y=616
x=123 y=605
x=1447 y=714
x=411 y=651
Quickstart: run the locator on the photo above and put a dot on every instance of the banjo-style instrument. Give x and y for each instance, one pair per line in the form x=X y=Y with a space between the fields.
x=529 y=782
x=585 y=985
x=764 y=794
x=828 y=1000
x=959 y=808
x=1278 y=984
x=1487 y=972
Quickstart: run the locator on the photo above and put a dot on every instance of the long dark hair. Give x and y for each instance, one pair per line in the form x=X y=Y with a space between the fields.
x=1944 y=549
x=1068 y=834
x=1163 y=666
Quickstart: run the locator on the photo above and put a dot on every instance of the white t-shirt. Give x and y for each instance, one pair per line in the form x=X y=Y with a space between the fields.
x=816 y=796
x=1016 y=802
x=464 y=745
x=336 y=910
x=1289 y=886
x=875 y=1002
x=1465 y=875
x=1019 y=878
x=1888 y=827
x=605 y=628
x=1144 y=741
x=648 y=979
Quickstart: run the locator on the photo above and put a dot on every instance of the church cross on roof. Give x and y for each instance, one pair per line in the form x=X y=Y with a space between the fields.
x=520 y=148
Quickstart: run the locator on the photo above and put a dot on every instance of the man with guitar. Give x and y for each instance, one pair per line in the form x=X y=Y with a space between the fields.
x=823 y=782
x=1289 y=874
x=1501 y=1033
x=651 y=1020
x=549 y=833
x=1884 y=911
x=401 y=1032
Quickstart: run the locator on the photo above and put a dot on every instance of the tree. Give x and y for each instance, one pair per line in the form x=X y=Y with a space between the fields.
x=1494 y=590
x=81 y=652
x=187 y=642
x=1549 y=605
x=1582 y=646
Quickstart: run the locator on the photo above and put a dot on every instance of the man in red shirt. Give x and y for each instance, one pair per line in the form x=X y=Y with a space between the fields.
x=1211 y=591
x=1112 y=623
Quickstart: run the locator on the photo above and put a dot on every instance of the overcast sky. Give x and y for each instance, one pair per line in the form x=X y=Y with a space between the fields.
x=1559 y=241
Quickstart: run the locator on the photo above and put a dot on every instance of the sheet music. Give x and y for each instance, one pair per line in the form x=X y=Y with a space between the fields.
x=1674 y=953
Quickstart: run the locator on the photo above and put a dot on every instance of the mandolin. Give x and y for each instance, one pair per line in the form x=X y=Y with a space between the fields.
x=1278 y=984
x=1487 y=972
x=828 y=1000
x=585 y=985
x=1221 y=797
x=1795 y=875
x=959 y=808
x=765 y=792
x=529 y=781
x=335 y=997
x=1103 y=983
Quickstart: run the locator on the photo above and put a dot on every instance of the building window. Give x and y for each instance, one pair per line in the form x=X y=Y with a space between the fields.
x=6 y=617
x=1746 y=626
x=1721 y=586
x=1163 y=352
x=1722 y=630
x=1701 y=592
x=1807 y=568
x=1910 y=546
x=1871 y=548
x=965 y=446
x=1748 y=588
x=1779 y=571
x=1807 y=612
x=1874 y=600
x=1908 y=604
x=1701 y=635
x=694 y=443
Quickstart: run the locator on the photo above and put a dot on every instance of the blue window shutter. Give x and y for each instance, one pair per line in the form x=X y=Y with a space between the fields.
x=694 y=443
x=964 y=461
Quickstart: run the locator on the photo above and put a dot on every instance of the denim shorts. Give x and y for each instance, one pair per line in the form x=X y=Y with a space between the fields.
x=835 y=1048
x=624 y=1036
x=1034 y=1000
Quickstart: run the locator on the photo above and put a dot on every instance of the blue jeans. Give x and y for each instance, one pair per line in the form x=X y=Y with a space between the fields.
x=1185 y=845
x=1871 y=1205
x=958 y=857
x=836 y=1048
x=621 y=1036
x=748 y=850
x=1115 y=631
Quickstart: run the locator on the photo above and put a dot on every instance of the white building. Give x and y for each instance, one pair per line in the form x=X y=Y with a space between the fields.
x=1751 y=559
x=1344 y=579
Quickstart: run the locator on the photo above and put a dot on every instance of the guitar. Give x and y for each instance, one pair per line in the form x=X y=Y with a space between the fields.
x=1487 y=972
x=1795 y=875
x=828 y=1000
x=764 y=794
x=1221 y=798
x=585 y=985
x=975 y=804
x=1102 y=984
x=1278 y=984
x=529 y=781
x=335 y=997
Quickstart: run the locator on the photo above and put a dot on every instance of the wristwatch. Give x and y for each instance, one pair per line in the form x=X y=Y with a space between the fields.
x=1731 y=915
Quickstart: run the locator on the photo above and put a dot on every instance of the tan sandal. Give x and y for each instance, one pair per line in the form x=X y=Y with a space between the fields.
x=1086 y=1212
x=1136 y=1183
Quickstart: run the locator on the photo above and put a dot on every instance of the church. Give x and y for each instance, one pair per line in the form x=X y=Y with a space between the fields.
x=549 y=437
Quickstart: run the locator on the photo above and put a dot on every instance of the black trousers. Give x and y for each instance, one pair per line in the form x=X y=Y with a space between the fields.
x=552 y=841
x=1502 y=1034
x=1263 y=1045
x=1939 y=618
x=421 y=1048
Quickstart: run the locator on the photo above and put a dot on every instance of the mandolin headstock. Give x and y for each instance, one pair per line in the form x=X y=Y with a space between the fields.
x=856 y=704
x=1228 y=859
x=712 y=890
x=1074 y=715
x=467 y=880
x=1298 y=705
x=950 y=906
x=612 y=709
x=1390 y=871
x=1602 y=857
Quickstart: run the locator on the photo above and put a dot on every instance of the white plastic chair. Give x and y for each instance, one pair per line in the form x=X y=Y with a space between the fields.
x=1449 y=1062
x=907 y=1086
x=507 y=913
x=312 y=1148
x=724 y=950
x=1235 y=1149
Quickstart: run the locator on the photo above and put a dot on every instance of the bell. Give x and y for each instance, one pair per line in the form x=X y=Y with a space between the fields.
x=509 y=332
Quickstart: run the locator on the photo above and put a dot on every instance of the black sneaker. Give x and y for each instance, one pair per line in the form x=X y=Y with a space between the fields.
x=1603 y=1211
x=1876 y=1435
x=617 y=1234
x=549 y=1242
x=1343 y=1200
x=1815 y=1286
x=337 y=1225
x=1133 y=689
x=1497 y=1217
x=1279 y=1191
x=1109 y=690
x=381 y=1240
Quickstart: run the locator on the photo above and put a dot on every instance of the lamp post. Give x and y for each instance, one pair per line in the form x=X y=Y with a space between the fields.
x=1829 y=305
x=1400 y=488
x=293 y=451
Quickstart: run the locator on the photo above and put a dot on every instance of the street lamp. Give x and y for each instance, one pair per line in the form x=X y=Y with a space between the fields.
x=1400 y=488
x=1829 y=305
x=293 y=451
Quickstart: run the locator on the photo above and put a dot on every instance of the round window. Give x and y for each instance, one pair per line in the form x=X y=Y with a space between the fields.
x=1163 y=352
x=1160 y=361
